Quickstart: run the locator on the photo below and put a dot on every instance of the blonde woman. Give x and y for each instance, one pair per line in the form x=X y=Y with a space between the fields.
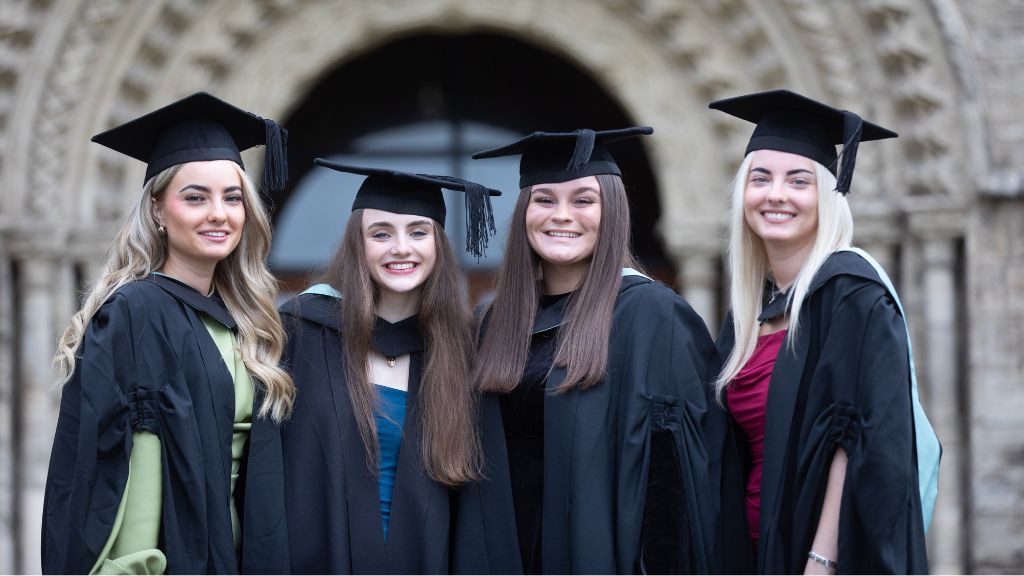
x=170 y=375
x=817 y=373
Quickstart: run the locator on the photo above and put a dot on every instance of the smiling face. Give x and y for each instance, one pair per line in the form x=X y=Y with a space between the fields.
x=203 y=212
x=400 y=250
x=780 y=200
x=562 y=224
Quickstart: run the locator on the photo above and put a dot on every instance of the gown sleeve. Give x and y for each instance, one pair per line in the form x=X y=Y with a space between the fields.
x=132 y=545
x=109 y=399
x=864 y=368
x=679 y=507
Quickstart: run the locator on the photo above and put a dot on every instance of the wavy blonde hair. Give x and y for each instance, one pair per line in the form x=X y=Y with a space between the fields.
x=242 y=279
x=748 y=266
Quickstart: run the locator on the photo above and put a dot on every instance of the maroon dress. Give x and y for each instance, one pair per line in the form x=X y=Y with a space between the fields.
x=748 y=398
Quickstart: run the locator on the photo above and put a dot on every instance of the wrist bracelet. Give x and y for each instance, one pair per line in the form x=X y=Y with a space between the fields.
x=822 y=560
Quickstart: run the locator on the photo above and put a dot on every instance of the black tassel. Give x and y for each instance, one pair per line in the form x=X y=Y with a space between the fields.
x=852 y=128
x=275 y=158
x=479 y=219
x=584 y=148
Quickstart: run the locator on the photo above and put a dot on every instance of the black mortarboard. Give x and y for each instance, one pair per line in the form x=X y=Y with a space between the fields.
x=196 y=128
x=789 y=122
x=564 y=156
x=420 y=194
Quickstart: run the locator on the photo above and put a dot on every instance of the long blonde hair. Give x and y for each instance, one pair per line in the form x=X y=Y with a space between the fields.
x=242 y=279
x=748 y=266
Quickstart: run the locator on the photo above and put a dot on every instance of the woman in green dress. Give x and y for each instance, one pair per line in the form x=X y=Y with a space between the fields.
x=169 y=369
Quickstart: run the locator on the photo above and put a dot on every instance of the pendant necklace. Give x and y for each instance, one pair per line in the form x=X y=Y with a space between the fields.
x=391 y=360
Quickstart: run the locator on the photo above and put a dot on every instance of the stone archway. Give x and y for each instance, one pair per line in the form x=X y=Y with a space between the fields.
x=75 y=67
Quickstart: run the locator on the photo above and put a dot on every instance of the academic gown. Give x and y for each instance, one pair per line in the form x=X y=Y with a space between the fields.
x=846 y=385
x=147 y=363
x=332 y=497
x=627 y=484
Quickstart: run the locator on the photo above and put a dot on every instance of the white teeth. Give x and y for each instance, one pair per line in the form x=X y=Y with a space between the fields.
x=215 y=234
x=401 y=266
x=563 y=234
x=778 y=216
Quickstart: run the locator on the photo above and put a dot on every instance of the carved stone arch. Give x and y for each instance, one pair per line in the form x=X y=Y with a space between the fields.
x=262 y=55
x=636 y=71
x=664 y=62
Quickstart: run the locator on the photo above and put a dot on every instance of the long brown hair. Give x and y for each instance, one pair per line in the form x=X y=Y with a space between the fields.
x=583 y=339
x=446 y=400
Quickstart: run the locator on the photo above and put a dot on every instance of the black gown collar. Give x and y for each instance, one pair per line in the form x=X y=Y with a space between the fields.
x=212 y=306
x=551 y=312
x=399 y=338
x=773 y=302
x=838 y=263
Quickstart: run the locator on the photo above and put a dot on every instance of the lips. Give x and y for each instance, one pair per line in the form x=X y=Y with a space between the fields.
x=214 y=234
x=400 y=266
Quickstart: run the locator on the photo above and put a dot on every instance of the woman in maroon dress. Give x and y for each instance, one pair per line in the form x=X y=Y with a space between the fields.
x=816 y=367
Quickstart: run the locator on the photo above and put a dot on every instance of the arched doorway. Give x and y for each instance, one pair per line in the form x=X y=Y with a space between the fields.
x=425 y=103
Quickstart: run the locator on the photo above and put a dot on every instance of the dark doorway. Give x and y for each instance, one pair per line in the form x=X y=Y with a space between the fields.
x=432 y=100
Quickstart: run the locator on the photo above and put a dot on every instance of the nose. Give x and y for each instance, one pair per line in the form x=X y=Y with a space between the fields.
x=562 y=213
x=777 y=192
x=400 y=246
x=217 y=211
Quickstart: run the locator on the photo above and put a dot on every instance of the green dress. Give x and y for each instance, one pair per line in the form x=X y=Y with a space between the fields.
x=132 y=545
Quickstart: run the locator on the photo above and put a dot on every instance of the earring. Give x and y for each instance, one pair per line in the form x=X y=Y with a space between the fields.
x=162 y=230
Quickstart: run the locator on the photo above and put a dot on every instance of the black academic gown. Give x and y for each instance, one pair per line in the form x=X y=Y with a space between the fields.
x=147 y=363
x=627 y=484
x=332 y=498
x=847 y=385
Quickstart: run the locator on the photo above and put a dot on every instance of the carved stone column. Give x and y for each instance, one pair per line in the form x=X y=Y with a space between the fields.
x=939 y=374
x=38 y=404
x=7 y=468
x=945 y=399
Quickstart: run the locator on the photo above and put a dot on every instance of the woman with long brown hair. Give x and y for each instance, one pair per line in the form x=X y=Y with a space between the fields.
x=381 y=352
x=170 y=368
x=595 y=380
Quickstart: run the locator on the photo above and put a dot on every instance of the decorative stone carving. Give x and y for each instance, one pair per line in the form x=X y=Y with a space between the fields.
x=19 y=26
x=59 y=102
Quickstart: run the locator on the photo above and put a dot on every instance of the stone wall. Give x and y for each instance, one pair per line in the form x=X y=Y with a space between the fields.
x=995 y=283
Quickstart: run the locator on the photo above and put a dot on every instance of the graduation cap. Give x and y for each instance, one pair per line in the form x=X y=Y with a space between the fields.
x=197 y=128
x=789 y=122
x=420 y=194
x=564 y=156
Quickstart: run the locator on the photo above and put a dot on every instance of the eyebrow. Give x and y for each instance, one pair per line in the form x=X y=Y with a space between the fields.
x=790 y=173
x=575 y=191
x=206 y=189
x=390 y=225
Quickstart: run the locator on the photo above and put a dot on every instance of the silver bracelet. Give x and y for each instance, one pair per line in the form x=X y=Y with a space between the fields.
x=822 y=560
